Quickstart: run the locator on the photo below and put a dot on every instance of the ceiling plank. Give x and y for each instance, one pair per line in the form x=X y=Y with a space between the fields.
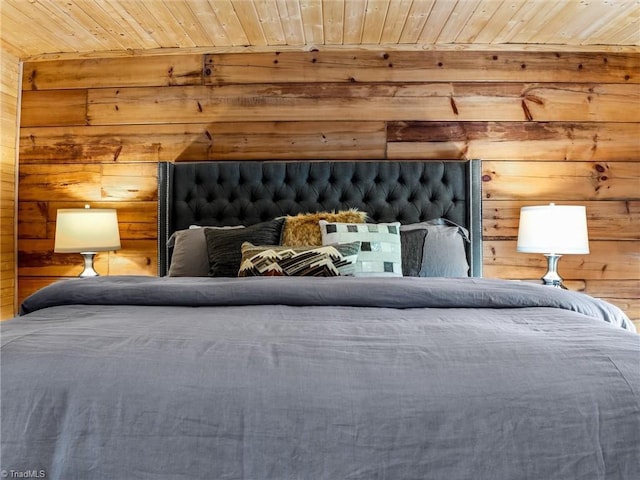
x=229 y=21
x=375 y=15
x=499 y=20
x=14 y=33
x=395 y=21
x=91 y=17
x=626 y=21
x=419 y=13
x=332 y=21
x=457 y=21
x=587 y=19
x=248 y=18
x=525 y=12
x=312 y=12
x=483 y=13
x=353 y=21
x=131 y=31
x=165 y=28
x=541 y=18
x=292 y=24
x=270 y=21
x=199 y=22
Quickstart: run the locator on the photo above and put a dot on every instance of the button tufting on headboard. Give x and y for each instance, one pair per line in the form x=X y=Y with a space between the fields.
x=235 y=193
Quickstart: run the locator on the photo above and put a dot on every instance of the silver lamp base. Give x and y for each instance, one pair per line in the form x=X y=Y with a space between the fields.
x=88 y=271
x=552 y=278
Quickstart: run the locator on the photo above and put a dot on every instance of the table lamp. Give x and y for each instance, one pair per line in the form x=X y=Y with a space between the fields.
x=87 y=231
x=553 y=230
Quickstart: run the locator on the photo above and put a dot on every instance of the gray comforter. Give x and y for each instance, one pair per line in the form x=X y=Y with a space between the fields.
x=302 y=378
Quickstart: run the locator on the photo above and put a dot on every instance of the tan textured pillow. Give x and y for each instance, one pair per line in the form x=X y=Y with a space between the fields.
x=304 y=228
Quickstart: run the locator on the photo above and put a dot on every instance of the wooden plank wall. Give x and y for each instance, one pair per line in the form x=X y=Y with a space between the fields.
x=559 y=127
x=10 y=92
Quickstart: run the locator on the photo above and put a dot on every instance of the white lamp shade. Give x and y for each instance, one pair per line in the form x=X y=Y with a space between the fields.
x=81 y=230
x=553 y=229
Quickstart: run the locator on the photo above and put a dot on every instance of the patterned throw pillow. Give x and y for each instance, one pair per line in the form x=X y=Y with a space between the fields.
x=304 y=229
x=380 y=250
x=275 y=260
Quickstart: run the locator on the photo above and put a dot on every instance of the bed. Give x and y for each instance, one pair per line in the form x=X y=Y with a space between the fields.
x=341 y=369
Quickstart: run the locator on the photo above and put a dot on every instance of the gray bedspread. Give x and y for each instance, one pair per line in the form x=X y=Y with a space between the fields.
x=303 y=378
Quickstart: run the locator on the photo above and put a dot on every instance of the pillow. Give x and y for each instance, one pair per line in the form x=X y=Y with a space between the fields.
x=190 y=257
x=224 y=246
x=412 y=245
x=310 y=261
x=304 y=229
x=443 y=253
x=380 y=248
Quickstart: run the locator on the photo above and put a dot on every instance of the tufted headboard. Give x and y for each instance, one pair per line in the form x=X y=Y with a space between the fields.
x=244 y=193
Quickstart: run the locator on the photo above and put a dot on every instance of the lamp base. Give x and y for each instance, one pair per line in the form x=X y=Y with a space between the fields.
x=551 y=278
x=88 y=271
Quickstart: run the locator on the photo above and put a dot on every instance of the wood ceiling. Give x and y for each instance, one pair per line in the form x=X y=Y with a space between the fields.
x=30 y=28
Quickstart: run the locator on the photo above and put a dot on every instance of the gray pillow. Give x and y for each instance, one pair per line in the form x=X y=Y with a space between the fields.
x=189 y=257
x=224 y=247
x=443 y=253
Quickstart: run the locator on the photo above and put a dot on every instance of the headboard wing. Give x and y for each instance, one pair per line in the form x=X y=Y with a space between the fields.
x=235 y=193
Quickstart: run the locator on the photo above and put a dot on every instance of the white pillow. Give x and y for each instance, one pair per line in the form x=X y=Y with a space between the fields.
x=380 y=253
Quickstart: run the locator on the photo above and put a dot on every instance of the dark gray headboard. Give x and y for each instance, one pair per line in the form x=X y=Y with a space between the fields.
x=244 y=193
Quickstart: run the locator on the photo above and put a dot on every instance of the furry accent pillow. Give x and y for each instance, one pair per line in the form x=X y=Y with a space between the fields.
x=304 y=228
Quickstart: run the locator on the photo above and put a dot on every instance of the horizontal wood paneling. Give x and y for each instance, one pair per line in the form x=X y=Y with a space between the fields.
x=575 y=181
x=389 y=66
x=29 y=285
x=207 y=141
x=54 y=107
x=136 y=220
x=36 y=259
x=533 y=141
x=122 y=72
x=384 y=102
x=88 y=182
x=607 y=260
x=611 y=220
x=295 y=102
x=549 y=127
x=71 y=181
